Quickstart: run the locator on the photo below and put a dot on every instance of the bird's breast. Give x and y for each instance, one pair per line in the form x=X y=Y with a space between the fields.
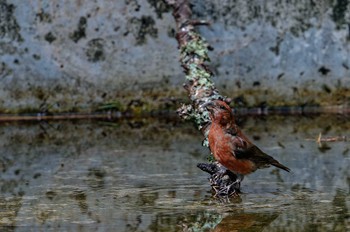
x=222 y=147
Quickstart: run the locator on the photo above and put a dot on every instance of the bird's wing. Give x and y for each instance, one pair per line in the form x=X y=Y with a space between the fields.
x=261 y=159
x=251 y=152
x=254 y=154
x=242 y=148
x=241 y=145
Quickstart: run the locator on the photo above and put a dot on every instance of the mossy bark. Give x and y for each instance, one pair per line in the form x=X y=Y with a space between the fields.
x=199 y=84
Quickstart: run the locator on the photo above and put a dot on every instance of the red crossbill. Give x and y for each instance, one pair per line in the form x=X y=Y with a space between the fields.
x=231 y=147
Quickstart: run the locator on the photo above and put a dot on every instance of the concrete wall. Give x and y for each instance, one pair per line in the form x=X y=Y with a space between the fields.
x=64 y=56
x=281 y=53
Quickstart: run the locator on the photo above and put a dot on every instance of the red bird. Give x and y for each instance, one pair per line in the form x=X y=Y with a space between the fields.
x=231 y=147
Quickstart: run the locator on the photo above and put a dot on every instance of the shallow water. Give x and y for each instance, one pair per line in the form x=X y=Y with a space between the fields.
x=142 y=176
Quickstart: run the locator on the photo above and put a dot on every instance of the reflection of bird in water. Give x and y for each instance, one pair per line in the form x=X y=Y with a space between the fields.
x=245 y=222
x=231 y=147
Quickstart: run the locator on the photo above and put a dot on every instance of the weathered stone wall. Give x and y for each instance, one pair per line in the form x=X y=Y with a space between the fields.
x=281 y=52
x=63 y=56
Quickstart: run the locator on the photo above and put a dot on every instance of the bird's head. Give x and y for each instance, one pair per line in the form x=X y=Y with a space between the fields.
x=219 y=112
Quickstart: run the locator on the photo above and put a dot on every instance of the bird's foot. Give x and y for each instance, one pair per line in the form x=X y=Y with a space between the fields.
x=233 y=189
x=237 y=184
x=225 y=184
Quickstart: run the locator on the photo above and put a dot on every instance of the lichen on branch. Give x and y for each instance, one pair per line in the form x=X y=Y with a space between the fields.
x=193 y=58
x=200 y=86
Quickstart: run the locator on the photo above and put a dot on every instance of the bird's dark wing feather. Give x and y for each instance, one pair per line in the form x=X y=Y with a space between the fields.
x=252 y=153
x=244 y=149
x=260 y=158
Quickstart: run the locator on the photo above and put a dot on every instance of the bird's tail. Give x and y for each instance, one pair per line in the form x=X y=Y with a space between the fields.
x=281 y=166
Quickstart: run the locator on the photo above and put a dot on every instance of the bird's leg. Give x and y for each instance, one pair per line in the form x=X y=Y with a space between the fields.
x=238 y=181
x=227 y=188
x=226 y=183
x=236 y=185
x=217 y=181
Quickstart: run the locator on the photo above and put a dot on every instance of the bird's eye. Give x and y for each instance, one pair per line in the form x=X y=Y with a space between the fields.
x=223 y=107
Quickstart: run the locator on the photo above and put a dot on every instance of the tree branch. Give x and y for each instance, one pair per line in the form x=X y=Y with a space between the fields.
x=200 y=87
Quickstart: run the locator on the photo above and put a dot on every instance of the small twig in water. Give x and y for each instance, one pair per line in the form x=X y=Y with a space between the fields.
x=321 y=139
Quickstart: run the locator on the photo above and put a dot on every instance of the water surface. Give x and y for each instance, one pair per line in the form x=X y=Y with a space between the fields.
x=141 y=175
